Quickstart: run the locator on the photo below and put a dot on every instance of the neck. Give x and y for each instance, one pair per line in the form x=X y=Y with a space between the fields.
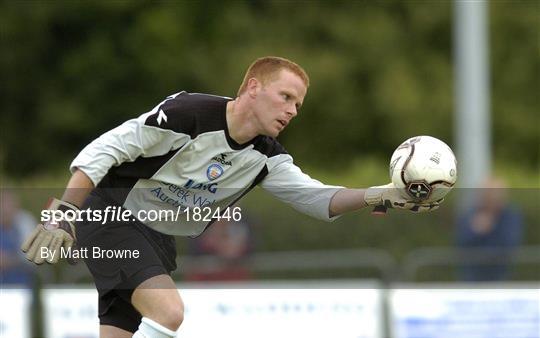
x=241 y=128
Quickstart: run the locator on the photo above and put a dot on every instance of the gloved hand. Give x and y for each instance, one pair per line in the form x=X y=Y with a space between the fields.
x=45 y=241
x=388 y=196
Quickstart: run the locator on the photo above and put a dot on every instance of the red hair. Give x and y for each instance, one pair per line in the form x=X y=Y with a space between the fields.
x=267 y=68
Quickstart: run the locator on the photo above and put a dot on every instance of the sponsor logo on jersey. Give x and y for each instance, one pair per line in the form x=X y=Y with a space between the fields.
x=184 y=197
x=214 y=171
x=191 y=184
x=222 y=158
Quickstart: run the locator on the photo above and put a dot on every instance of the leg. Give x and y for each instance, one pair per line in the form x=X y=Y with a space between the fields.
x=157 y=299
x=117 y=279
x=158 y=314
x=108 y=331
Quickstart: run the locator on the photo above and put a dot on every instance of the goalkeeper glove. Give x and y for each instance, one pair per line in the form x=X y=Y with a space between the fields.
x=388 y=196
x=51 y=235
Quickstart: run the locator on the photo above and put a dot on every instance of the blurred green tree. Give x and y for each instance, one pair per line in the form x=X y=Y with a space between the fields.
x=381 y=71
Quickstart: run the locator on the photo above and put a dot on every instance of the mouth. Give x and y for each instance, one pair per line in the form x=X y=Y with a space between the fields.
x=283 y=123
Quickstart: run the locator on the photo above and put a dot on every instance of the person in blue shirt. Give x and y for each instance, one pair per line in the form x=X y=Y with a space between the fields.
x=15 y=225
x=492 y=224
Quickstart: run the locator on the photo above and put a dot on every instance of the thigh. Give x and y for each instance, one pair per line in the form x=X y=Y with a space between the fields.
x=148 y=293
x=158 y=299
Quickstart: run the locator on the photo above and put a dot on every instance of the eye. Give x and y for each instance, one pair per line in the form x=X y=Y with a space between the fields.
x=285 y=96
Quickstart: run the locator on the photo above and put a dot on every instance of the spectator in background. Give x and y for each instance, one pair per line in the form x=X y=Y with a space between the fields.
x=230 y=242
x=492 y=224
x=15 y=225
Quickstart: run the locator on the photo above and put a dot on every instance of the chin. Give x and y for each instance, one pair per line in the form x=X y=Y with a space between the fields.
x=271 y=133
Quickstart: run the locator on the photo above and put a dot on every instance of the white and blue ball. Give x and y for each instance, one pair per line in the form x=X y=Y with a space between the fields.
x=424 y=168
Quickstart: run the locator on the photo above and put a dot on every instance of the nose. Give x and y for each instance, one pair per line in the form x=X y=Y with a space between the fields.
x=292 y=112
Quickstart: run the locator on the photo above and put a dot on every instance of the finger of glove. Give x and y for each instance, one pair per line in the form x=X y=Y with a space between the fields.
x=30 y=239
x=402 y=204
x=43 y=241
x=425 y=207
x=434 y=207
x=47 y=240
x=68 y=243
x=55 y=245
x=36 y=245
x=68 y=240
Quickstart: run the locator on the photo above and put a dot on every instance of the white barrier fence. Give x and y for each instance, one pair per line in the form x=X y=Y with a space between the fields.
x=284 y=312
x=465 y=313
x=331 y=309
x=70 y=313
x=15 y=312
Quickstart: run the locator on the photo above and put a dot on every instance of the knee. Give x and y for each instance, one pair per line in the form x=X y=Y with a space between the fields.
x=159 y=301
x=172 y=315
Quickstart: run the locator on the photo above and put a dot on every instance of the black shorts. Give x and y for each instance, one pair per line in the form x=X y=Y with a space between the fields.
x=116 y=278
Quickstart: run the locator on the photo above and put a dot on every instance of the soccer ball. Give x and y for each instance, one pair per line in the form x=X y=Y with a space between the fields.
x=423 y=168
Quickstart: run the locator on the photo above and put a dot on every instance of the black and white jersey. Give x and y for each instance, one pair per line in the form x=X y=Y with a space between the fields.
x=180 y=155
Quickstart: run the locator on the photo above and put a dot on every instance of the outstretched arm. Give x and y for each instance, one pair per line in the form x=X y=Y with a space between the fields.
x=346 y=200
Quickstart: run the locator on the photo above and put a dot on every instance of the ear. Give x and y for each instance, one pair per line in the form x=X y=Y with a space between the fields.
x=253 y=87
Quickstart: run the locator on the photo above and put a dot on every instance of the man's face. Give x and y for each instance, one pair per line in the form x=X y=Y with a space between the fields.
x=277 y=102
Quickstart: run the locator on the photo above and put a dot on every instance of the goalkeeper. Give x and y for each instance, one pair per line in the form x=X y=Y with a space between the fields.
x=191 y=150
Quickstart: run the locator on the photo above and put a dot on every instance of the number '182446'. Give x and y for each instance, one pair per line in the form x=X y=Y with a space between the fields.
x=208 y=214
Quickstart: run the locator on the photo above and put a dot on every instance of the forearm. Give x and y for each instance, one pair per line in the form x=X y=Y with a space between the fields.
x=78 y=188
x=346 y=200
